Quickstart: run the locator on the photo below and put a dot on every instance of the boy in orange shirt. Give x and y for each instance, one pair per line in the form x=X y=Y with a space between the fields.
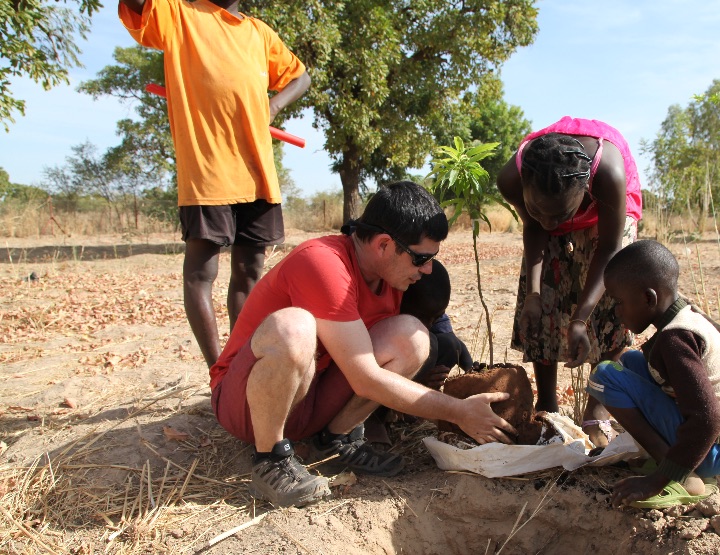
x=219 y=66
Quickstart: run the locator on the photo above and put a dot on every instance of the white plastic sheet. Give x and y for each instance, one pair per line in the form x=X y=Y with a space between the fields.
x=495 y=460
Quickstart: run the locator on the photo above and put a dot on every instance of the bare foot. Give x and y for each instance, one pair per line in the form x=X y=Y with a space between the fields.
x=694 y=485
x=600 y=435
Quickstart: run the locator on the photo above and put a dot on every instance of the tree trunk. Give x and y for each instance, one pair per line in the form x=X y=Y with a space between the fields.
x=350 y=179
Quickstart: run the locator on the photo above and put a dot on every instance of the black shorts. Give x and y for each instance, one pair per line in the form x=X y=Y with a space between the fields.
x=257 y=223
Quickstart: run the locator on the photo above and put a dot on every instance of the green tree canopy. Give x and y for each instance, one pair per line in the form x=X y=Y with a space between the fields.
x=37 y=40
x=686 y=155
x=145 y=140
x=397 y=73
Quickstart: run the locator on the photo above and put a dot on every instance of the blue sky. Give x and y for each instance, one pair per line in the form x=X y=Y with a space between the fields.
x=623 y=62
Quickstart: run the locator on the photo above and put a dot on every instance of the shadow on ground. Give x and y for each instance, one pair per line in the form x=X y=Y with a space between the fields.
x=79 y=253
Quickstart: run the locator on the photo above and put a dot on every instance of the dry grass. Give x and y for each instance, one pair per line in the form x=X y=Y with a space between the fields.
x=501 y=220
x=323 y=212
x=35 y=219
x=65 y=500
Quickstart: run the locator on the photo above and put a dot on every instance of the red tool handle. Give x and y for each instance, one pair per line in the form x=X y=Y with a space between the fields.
x=281 y=135
x=276 y=133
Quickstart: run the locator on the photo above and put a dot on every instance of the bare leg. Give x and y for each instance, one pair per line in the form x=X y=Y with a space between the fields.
x=200 y=270
x=400 y=345
x=246 y=267
x=284 y=345
x=546 y=380
x=640 y=429
x=595 y=411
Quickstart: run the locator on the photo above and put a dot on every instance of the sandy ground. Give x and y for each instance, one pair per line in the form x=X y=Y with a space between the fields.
x=110 y=444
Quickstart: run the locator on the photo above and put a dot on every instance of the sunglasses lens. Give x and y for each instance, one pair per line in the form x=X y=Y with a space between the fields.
x=422 y=259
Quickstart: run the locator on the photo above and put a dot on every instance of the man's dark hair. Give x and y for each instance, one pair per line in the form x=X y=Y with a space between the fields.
x=555 y=164
x=406 y=211
x=645 y=264
x=428 y=298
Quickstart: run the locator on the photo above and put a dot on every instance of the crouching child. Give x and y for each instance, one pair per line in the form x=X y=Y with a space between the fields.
x=666 y=395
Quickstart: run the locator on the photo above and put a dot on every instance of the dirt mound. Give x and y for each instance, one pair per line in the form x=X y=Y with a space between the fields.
x=517 y=410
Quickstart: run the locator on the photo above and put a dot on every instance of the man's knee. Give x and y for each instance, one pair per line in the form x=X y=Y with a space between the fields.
x=401 y=338
x=201 y=261
x=289 y=333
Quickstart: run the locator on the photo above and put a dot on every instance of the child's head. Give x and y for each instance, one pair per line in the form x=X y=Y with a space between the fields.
x=427 y=298
x=555 y=173
x=642 y=278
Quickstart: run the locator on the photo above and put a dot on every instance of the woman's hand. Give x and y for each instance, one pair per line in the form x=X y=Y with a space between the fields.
x=530 y=317
x=578 y=343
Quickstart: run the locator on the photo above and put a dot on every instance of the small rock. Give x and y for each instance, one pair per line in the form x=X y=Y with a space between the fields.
x=655 y=526
x=709 y=506
x=654 y=514
x=692 y=530
x=677 y=510
x=177 y=533
x=715 y=523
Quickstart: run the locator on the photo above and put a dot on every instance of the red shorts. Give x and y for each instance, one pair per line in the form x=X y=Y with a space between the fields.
x=329 y=392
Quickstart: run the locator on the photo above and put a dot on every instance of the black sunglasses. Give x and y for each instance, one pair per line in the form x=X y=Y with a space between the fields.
x=418 y=259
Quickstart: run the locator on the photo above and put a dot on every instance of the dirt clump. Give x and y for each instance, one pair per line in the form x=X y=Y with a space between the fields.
x=518 y=410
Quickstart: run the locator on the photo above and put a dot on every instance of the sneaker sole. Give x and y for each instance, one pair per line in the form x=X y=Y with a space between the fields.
x=321 y=491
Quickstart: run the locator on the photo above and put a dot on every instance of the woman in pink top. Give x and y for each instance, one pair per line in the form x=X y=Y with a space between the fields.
x=575 y=187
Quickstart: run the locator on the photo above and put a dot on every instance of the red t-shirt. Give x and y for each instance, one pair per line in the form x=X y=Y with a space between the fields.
x=321 y=276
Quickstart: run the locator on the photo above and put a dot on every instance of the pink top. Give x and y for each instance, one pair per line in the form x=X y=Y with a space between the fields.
x=601 y=131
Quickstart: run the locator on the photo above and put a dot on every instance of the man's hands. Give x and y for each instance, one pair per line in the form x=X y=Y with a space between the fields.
x=481 y=423
x=637 y=488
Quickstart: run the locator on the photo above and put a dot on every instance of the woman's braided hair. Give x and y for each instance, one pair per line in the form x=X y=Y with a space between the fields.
x=555 y=164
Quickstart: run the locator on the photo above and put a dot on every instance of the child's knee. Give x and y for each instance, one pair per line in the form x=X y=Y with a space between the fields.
x=634 y=360
x=604 y=374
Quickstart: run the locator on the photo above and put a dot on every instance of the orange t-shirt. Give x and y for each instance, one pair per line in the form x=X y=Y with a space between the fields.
x=218 y=70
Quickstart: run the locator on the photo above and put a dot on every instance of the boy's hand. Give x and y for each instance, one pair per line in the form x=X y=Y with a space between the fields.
x=637 y=488
x=482 y=424
x=435 y=378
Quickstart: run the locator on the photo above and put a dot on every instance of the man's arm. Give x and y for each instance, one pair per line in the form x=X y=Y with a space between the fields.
x=350 y=347
x=294 y=90
x=134 y=5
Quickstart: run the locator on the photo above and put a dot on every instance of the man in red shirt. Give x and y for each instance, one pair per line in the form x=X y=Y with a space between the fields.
x=321 y=344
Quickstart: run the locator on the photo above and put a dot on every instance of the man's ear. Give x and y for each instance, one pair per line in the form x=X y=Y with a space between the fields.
x=651 y=297
x=382 y=243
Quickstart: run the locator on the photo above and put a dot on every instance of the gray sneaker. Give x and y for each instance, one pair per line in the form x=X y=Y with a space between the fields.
x=283 y=481
x=355 y=453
